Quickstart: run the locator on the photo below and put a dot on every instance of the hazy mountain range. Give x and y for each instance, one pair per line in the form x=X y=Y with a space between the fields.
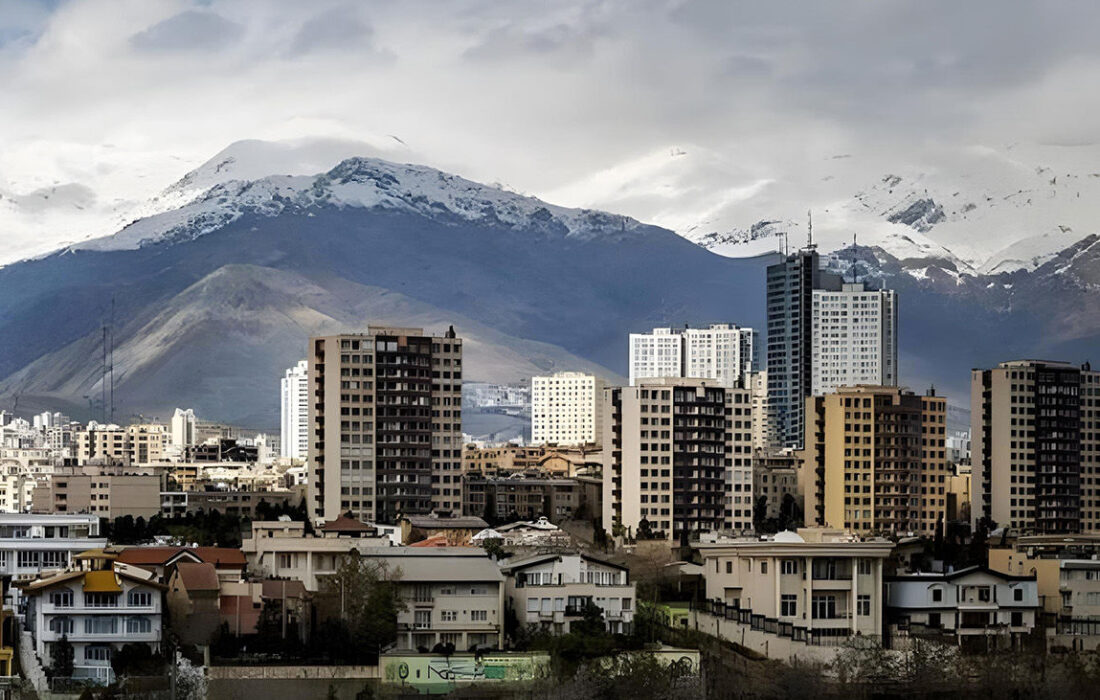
x=220 y=279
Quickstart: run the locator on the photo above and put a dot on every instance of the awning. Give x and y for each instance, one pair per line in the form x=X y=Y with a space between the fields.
x=101 y=582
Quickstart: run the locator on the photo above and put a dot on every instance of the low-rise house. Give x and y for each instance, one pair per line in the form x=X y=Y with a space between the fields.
x=200 y=603
x=553 y=591
x=816 y=586
x=98 y=607
x=975 y=606
x=282 y=549
x=452 y=595
x=229 y=564
x=458 y=528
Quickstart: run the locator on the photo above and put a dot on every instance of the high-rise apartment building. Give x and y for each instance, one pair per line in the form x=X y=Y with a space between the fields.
x=677 y=454
x=720 y=351
x=112 y=444
x=294 y=416
x=875 y=460
x=764 y=429
x=182 y=433
x=854 y=338
x=816 y=343
x=1035 y=446
x=566 y=408
x=385 y=416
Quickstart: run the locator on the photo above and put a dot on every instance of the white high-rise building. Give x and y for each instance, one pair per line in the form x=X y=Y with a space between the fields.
x=294 y=426
x=566 y=408
x=721 y=351
x=182 y=429
x=855 y=338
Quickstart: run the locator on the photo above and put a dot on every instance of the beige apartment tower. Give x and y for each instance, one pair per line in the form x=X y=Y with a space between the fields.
x=677 y=454
x=566 y=409
x=1035 y=446
x=385 y=417
x=875 y=460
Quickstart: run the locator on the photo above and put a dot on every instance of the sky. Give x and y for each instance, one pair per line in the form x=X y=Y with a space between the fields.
x=668 y=111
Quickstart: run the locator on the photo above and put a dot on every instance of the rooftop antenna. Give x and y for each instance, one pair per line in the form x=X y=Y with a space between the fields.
x=810 y=229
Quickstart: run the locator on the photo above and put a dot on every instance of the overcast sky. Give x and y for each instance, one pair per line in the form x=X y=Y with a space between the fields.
x=118 y=99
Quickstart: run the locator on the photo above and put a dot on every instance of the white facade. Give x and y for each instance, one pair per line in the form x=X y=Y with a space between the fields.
x=854 y=338
x=551 y=591
x=33 y=543
x=96 y=623
x=967 y=602
x=721 y=351
x=294 y=425
x=182 y=429
x=566 y=408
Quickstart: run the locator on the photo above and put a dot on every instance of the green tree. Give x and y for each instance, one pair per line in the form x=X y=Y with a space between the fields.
x=361 y=603
x=62 y=658
x=645 y=529
x=759 y=513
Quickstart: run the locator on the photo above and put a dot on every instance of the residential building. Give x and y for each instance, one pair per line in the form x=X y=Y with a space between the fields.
x=281 y=549
x=721 y=351
x=563 y=461
x=789 y=363
x=452 y=595
x=875 y=460
x=386 y=424
x=958 y=492
x=1061 y=566
x=552 y=591
x=177 y=504
x=765 y=431
x=977 y=607
x=808 y=586
x=458 y=529
x=99 y=607
x=823 y=333
x=1035 y=450
x=229 y=564
x=775 y=479
x=294 y=421
x=678 y=455
x=33 y=543
x=111 y=444
x=182 y=430
x=853 y=338
x=528 y=495
x=106 y=492
x=566 y=408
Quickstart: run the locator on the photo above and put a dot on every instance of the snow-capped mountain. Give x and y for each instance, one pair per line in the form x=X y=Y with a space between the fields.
x=109 y=191
x=971 y=211
x=368 y=183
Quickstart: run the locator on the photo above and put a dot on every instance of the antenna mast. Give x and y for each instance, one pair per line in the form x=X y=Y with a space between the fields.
x=810 y=229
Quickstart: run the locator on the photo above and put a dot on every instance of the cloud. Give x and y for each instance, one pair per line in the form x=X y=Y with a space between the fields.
x=191 y=30
x=546 y=97
x=338 y=29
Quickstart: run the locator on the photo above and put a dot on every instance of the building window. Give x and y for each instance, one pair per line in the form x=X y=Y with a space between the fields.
x=422 y=619
x=479 y=615
x=448 y=615
x=763 y=567
x=865 y=567
x=933 y=619
x=287 y=561
x=61 y=625
x=97 y=653
x=101 y=625
x=729 y=567
x=61 y=599
x=138 y=625
x=101 y=600
x=824 y=607
x=1018 y=595
x=532 y=605
x=863 y=605
x=790 y=566
x=1017 y=619
x=937 y=595
x=139 y=599
x=788 y=605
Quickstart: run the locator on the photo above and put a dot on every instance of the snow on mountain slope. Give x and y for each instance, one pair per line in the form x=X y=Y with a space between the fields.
x=975 y=210
x=359 y=182
x=107 y=193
